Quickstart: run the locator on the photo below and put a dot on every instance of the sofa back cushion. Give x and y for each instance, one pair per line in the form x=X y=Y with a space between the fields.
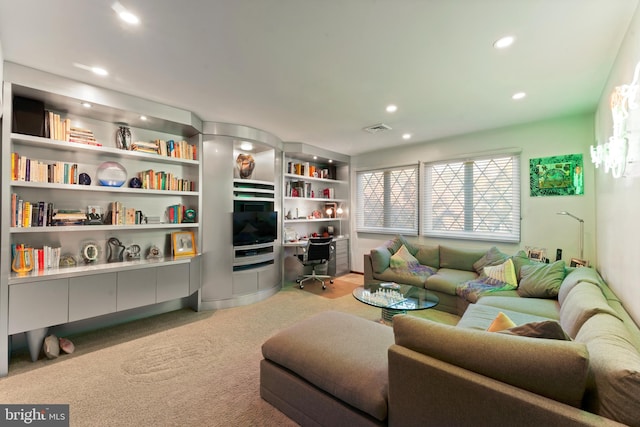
x=492 y=257
x=582 y=302
x=428 y=255
x=615 y=366
x=552 y=368
x=459 y=259
x=575 y=276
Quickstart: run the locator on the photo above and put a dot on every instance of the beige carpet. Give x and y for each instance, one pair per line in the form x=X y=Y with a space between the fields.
x=176 y=369
x=337 y=289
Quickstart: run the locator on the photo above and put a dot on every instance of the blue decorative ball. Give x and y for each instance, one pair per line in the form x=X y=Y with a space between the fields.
x=135 y=182
x=84 y=179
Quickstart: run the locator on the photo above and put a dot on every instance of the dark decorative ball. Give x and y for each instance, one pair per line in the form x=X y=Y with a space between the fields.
x=135 y=182
x=84 y=179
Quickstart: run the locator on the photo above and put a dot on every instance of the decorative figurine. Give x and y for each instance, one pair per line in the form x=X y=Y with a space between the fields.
x=135 y=182
x=245 y=164
x=154 y=252
x=90 y=252
x=84 y=179
x=123 y=138
x=189 y=216
x=116 y=250
x=132 y=252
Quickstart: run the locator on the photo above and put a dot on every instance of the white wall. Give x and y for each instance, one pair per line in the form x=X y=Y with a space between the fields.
x=618 y=200
x=541 y=226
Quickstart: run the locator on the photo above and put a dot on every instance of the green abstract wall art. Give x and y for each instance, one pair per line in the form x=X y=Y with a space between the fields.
x=556 y=176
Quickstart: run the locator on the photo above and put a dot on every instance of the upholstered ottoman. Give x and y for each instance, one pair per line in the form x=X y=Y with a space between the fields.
x=330 y=369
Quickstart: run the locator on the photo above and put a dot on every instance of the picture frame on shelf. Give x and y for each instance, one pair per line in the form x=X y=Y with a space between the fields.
x=183 y=243
x=575 y=262
x=536 y=254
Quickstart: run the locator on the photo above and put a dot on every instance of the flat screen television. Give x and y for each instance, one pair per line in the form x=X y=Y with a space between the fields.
x=250 y=228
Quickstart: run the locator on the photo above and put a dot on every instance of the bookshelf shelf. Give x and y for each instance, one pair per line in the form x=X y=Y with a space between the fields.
x=84 y=290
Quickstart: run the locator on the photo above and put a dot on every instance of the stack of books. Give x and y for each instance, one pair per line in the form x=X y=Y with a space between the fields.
x=82 y=136
x=146 y=147
x=68 y=217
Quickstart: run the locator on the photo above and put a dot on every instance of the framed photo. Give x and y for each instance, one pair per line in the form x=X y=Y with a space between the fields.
x=575 y=262
x=183 y=243
x=536 y=254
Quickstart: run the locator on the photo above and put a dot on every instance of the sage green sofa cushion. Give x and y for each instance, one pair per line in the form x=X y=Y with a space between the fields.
x=615 y=363
x=460 y=259
x=552 y=368
x=428 y=255
x=543 y=307
x=447 y=280
x=583 y=301
x=342 y=354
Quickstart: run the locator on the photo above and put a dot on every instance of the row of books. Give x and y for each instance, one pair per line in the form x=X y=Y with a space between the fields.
x=303 y=189
x=307 y=169
x=170 y=148
x=152 y=180
x=118 y=214
x=30 y=214
x=44 y=258
x=31 y=170
x=60 y=129
x=175 y=214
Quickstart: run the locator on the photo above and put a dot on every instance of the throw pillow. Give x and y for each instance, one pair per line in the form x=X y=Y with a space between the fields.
x=403 y=259
x=503 y=274
x=500 y=323
x=541 y=280
x=549 y=329
x=492 y=257
x=520 y=259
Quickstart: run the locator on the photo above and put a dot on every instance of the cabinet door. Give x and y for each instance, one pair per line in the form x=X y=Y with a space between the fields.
x=173 y=282
x=38 y=305
x=342 y=257
x=91 y=296
x=136 y=288
x=245 y=282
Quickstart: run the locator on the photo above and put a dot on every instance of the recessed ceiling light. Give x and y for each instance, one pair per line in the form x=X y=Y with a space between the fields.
x=392 y=108
x=504 y=42
x=86 y=105
x=315 y=157
x=406 y=136
x=518 y=95
x=124 y=14
x=247 y=146
x=143 y=118
x=99 y=71
x=330 y=161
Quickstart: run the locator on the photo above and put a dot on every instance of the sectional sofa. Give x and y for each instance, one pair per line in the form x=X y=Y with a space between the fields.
x=567 y=352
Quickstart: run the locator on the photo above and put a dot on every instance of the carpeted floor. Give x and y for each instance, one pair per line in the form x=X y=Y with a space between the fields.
x=337 y=289
x=177 y=369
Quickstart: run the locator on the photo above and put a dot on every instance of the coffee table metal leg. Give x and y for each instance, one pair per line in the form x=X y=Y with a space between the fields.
x=388 y=313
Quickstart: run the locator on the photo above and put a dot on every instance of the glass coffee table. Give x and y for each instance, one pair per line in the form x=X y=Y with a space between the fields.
x=394 y=298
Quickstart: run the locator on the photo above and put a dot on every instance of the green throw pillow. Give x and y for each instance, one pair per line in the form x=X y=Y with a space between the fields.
x=541 y=280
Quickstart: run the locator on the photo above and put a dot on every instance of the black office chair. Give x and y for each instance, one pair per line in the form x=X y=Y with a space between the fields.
x=318 y=253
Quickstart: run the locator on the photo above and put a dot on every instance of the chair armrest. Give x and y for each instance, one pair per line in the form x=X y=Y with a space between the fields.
x=427 y=391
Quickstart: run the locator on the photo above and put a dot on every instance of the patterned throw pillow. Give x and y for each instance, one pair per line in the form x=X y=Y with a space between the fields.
x=504 y=273
x=403 y=259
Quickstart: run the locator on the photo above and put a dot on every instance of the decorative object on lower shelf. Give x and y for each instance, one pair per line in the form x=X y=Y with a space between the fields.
x=154 y=252
x=116 y=250
x=22 y=260
x=183 y=243
x=132 y=252
x=111 y=174
x=90 y=252
x=245 y=164
x=67 y=260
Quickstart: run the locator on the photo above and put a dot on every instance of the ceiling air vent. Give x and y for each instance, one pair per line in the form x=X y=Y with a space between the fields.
x=377 y=128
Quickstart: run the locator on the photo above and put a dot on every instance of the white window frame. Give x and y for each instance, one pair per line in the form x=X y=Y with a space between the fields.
x=389 y=203
x=463 y=198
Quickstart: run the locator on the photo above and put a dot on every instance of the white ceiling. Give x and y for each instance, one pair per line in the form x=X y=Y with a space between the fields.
x=318 y=71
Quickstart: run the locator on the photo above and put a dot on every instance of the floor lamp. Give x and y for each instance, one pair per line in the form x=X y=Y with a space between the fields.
x=581 y=231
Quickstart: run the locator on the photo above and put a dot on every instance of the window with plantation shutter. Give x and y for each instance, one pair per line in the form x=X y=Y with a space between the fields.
x=476 y=199
x=387 y=200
